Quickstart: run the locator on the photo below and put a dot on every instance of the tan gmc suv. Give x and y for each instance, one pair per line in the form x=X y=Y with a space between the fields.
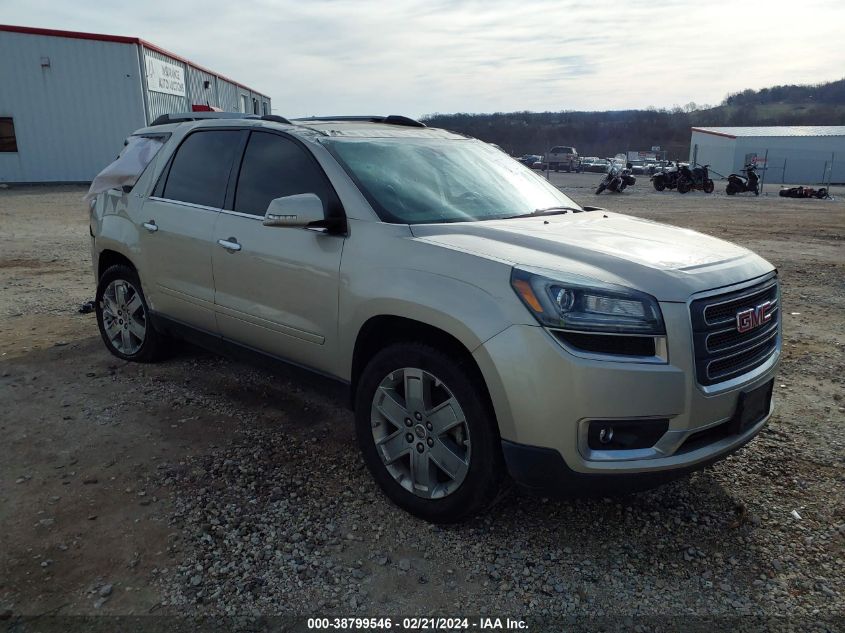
x=487 y=326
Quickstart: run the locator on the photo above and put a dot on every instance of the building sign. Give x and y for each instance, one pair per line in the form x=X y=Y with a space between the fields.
x=642 y=155
x=165 y=77
x=758 y=161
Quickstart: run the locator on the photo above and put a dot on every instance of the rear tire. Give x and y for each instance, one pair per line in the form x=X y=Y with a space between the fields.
x=683 y=186
x=659 y=185
x=447 y=394
x=730 y=189
x=124 y=318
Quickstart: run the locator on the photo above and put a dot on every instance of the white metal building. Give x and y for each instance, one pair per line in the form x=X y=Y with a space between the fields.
x=68 y=100
x=796 y=154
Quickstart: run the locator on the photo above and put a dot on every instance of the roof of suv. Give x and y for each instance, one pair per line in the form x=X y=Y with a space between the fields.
x=342 y=126
x=373 y=129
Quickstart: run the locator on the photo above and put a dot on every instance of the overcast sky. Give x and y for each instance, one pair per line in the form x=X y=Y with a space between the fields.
x=339 y=57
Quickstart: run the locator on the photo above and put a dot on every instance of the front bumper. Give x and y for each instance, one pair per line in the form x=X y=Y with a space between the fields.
x=545 y=396
x=540 y=470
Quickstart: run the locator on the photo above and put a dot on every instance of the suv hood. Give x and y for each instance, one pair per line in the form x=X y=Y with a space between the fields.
x=667 y=262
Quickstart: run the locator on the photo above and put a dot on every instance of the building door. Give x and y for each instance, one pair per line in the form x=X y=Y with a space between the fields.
x=276 y=289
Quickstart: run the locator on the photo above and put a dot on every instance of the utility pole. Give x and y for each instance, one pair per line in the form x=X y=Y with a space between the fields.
x=765 y=169
x=830 y=173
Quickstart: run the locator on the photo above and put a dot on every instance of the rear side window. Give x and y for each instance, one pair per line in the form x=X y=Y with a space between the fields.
x=201 y=167
x=273 y=167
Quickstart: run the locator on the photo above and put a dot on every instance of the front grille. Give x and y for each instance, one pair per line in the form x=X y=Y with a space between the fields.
x=723 y=352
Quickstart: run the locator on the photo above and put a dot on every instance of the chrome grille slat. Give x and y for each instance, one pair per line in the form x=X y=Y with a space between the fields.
x=732 y=353
x=759 y=360
x=750 y=298
x=719 y=349
x=763 y=345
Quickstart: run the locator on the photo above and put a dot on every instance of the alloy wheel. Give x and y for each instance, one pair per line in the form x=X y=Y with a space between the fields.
x=124 y=317
x=421 y=433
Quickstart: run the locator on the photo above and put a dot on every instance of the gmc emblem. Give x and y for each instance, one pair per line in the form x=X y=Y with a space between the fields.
x=752 y=318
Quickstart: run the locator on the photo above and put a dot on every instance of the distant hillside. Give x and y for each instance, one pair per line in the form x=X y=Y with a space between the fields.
x=832 y=93
x=606 y=133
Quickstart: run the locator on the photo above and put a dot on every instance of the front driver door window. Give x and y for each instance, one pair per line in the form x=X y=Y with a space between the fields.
x=279 y=292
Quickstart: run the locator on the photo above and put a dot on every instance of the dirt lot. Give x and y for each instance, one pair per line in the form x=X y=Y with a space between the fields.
x=200 y=485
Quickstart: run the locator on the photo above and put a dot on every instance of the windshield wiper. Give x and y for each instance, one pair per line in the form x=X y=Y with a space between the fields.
x=546 y=211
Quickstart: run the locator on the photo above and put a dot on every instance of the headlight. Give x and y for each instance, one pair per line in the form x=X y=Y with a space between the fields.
x=587 y=306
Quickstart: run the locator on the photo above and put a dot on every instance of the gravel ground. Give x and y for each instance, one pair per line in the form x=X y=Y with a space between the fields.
x=203 y=486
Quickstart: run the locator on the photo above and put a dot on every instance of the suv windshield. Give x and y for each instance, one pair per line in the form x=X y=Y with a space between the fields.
x=425 y=181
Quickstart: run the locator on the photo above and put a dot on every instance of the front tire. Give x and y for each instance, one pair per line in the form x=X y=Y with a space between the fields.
x=709 y=186
x=683 y=186
x=123 y=316
x=659 y=185
x=600 y=188
x=427 y=434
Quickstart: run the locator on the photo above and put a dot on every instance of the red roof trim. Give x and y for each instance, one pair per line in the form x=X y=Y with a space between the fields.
x=29 y=30
x=704 y=131
x=120 y=39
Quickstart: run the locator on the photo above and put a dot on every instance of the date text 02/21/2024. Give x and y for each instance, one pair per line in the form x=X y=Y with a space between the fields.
x=417 y=623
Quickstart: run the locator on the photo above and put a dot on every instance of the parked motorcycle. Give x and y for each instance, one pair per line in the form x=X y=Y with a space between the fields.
x=741 y=184
x=697 y=178
x=804 y=192
x=616 y=179
x=666 y=178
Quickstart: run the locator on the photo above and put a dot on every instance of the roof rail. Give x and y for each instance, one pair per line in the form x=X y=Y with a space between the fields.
x=275 y=118
x=181 y=117
x=391 y=119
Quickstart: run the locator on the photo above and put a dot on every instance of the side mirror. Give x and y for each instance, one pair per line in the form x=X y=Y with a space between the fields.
x=300 y=210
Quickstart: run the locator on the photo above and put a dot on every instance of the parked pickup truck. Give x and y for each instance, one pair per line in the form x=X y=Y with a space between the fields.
x=563 y=157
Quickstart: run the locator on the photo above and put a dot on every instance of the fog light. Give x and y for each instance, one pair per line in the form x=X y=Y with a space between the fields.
x=618 y=435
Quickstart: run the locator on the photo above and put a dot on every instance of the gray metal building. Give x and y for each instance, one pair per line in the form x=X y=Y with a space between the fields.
x=68 y=99
x=805 y=154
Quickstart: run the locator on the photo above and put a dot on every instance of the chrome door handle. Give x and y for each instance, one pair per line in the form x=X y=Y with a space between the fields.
x=151 y=226
x=230 y=244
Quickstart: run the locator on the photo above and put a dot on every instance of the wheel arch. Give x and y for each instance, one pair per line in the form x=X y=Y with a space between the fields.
x=383 y=330
x=109 y=258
